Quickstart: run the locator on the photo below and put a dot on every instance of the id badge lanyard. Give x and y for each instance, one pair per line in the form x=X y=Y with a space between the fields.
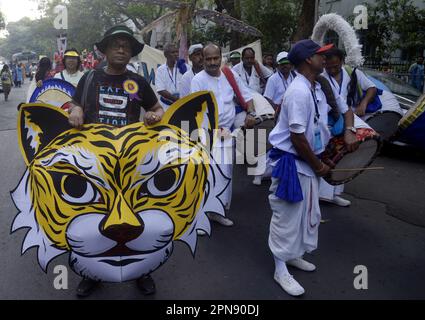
x=342 y=81
x=285 y=82
x=173 y=79
x=317 y=133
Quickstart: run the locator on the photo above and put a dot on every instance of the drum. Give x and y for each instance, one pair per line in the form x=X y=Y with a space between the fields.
x=264 y=124
x=412 y=125
x=252 y=145
x=385 y=121
x=56 y=92
x=337 y=156
x=261 y=105
x=265 y=120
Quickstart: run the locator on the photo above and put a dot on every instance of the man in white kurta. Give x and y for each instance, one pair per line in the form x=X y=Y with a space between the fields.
x=276 y=87
x=340 y=81
x=196 y=56
x=300 y=135
x=169 y=76
x=279 y=82
x=213 y=79
x=248 y=70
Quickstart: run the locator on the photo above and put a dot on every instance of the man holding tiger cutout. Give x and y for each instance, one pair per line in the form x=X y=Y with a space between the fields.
x=113 y=95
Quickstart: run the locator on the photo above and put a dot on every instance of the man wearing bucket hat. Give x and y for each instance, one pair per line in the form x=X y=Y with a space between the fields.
x=72 y=62
x=301 y=134
x=98 y=90
x=196 y=56
x=280 y=80
x=100 y=97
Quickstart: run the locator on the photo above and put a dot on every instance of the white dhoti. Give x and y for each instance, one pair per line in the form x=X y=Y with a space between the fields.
x=223 y=155
x=294 y=227
x=328 y=191
x=245 y=146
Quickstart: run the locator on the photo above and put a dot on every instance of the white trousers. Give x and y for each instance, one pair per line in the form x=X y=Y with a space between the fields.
x=328 y=191
x=223 y=154
x=294 y=227
x=261 y=160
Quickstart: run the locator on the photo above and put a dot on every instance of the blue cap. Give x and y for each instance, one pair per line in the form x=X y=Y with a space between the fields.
x=305 y=49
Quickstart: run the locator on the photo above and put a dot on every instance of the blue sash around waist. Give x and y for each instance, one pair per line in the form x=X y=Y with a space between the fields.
x=289 y=188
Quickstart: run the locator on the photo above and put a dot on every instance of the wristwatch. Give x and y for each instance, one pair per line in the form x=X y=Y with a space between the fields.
x=352 y=129
x=252 y=114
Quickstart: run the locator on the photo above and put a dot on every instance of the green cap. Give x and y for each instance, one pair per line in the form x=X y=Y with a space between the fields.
x=235 y=55
x=122 y=31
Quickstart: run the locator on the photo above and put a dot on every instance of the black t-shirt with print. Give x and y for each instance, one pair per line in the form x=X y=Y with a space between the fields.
x=115 y=99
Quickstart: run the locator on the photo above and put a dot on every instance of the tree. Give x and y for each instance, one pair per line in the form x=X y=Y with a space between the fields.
x=26 y=34
x=394 y=24
x=306 y=21
x=276 y=19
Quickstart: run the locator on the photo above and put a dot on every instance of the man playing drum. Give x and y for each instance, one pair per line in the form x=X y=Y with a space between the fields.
x=301 y=134
x=340 y=81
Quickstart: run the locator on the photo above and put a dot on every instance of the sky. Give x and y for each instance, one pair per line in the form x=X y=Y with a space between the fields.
x=14 y=10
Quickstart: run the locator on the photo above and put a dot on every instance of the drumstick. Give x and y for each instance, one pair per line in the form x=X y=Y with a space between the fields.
x=357 y=169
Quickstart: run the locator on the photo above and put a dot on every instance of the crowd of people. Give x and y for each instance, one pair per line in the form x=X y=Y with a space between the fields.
x=294 y=85
x=289 y=83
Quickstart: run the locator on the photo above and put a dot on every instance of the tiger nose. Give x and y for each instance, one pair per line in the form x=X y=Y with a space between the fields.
x=122 y=225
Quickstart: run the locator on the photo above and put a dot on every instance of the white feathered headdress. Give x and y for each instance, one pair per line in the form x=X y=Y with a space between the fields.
x=346 y=33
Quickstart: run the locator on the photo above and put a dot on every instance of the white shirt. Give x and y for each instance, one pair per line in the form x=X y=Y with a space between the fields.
x=297 y=115
x=252 y=81
x=185 y=83
x=276 y=87
x=364 y=82
x=71 y=78
x=223 y=93
x=168 y=80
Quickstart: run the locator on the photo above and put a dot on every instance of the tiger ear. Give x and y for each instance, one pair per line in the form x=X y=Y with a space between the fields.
x=38 y=125
x=193 y=113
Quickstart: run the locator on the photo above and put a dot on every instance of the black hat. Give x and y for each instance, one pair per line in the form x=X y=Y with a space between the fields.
x=122 y=31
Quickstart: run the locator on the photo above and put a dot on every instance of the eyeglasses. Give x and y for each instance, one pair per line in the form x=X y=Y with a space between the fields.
x=124 y=45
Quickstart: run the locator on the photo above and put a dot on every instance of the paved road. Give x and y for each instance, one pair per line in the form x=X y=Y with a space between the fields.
x=383 y=230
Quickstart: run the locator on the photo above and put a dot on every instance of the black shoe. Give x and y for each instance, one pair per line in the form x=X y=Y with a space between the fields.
x=146 y=285
x=86 y=287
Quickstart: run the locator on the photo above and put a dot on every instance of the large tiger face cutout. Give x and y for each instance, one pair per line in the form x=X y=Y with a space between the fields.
x=116 y=198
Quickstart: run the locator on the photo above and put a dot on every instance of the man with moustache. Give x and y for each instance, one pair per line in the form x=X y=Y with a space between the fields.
x=253 y=74
x=300 y=136
x=212 y=78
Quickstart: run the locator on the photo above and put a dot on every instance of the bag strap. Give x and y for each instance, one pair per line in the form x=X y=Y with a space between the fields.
x=63 y=78
x=87 y=83
x=330 y=97
x=259 y=72
x=232 y=81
